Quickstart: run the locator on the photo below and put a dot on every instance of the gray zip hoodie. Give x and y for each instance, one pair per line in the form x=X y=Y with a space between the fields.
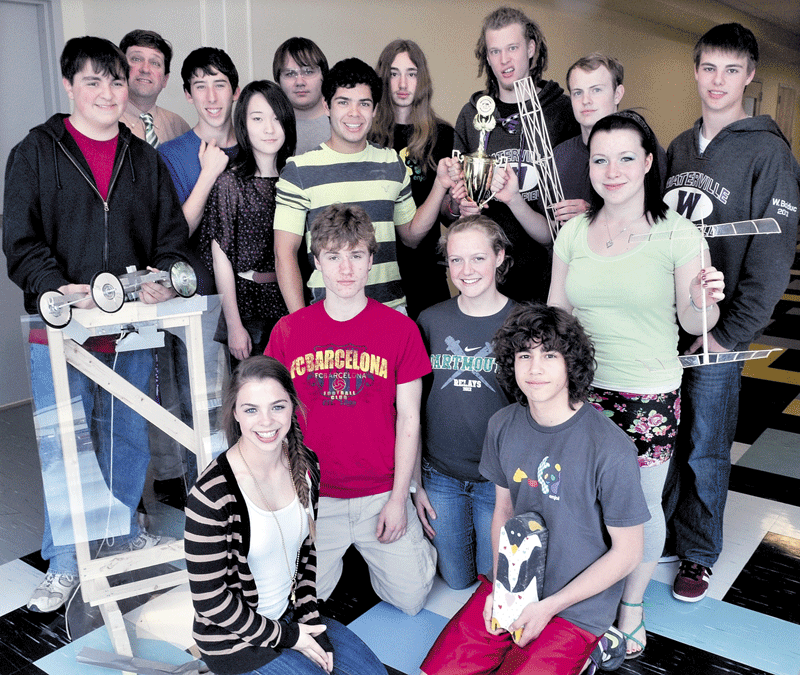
x=746 y=172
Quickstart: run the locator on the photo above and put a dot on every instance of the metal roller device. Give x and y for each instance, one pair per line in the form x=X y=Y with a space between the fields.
x=55 y=308
x=180 y=277
x=109 y=292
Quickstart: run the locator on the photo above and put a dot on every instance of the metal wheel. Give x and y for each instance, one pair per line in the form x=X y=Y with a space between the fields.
x=107 y=292
x=183 y=279
x=54 y=313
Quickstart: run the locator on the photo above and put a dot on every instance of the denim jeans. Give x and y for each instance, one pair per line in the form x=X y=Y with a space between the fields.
x=463 y=525
x=131 y=452
x=697 y=483
x=350 y=657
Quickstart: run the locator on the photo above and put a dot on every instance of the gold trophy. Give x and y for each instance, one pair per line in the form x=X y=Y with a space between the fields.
x=478 y=166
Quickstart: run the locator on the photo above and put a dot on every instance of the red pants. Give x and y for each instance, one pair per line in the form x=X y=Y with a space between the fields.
x=466 y=648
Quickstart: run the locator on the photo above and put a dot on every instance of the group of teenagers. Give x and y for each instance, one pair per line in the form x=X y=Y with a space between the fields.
x=366 y=406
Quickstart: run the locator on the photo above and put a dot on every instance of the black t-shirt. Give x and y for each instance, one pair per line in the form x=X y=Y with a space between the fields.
x=422 y=269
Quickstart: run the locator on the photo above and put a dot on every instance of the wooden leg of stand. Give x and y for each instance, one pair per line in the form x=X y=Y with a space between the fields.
x=115 y=625
x=198 y=387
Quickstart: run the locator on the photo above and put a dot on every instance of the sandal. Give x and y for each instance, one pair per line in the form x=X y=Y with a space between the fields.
x=629 y=636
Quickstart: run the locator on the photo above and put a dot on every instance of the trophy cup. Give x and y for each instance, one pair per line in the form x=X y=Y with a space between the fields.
x=478 y=166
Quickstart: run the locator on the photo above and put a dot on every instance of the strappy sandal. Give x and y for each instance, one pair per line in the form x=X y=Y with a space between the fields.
x=629 y=636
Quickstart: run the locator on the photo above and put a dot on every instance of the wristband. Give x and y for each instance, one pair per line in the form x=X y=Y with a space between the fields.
x=450 y=208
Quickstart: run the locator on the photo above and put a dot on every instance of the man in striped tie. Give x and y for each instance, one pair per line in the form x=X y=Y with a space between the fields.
x=149 y=56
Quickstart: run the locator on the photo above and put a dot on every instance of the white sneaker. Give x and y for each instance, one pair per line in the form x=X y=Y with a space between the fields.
x=53 y=592
x=140 y=542
x=145 y=540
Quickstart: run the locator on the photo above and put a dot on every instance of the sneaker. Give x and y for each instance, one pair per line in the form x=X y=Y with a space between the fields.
x=145 y=540
x=53 y=592
x=140 y=542
x=691 y=582
x=609 y=653
x=668 y=559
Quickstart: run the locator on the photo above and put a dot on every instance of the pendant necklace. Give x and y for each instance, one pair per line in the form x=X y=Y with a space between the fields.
x=610 y=241
x=280 y=531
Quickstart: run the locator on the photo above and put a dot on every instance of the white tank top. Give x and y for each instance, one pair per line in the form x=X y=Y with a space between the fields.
x=266 y=559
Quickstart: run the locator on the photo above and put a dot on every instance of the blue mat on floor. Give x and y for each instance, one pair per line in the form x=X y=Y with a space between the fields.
x=718 y=627
x=399 y=640
x=63 y=661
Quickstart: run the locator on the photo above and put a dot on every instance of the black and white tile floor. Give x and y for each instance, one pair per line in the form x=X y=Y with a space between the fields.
x=748 y=624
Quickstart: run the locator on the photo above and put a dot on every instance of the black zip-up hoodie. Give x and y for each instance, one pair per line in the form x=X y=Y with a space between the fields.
x=529 y=276
x=57 y=229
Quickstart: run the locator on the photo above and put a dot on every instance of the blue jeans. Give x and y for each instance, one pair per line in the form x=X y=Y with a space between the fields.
x=697 y=483
x=131 y=450
x=463 y=525
x=350 y=657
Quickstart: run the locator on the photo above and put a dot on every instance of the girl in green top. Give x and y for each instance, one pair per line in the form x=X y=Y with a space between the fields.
x=630 y=296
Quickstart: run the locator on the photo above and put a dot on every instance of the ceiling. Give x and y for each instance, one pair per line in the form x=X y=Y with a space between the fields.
x=782 y=13
x=776 y=23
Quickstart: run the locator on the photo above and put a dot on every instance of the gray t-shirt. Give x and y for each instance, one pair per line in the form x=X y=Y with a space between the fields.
x=463 y=391
x=580 y=476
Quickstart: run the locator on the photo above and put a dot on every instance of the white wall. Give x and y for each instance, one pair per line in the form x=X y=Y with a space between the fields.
x=653 y=39
x=656 y=51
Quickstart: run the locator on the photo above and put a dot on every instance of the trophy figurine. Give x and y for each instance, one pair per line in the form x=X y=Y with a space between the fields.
x=478 y=166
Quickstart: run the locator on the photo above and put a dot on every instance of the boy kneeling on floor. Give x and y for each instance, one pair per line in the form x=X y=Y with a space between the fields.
x=552 y=453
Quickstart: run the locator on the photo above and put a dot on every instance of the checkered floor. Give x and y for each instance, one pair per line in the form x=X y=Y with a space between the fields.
x=750 y=623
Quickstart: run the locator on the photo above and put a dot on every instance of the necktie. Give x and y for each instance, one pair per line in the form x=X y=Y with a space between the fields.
x=149 y=130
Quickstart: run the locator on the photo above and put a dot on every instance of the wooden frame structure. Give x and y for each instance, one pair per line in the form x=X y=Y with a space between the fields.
x=94 y=574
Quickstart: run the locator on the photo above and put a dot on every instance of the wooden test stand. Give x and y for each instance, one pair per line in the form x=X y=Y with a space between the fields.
x=94 y=573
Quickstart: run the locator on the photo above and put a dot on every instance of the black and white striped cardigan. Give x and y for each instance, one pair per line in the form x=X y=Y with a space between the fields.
x=229 y=632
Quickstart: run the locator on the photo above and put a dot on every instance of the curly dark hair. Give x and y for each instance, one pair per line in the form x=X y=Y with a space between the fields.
x=348 y=73
x=255 y=369
x=532 y=323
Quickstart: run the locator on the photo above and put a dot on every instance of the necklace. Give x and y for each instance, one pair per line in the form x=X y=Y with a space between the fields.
x=277 y=522
x=610 y=241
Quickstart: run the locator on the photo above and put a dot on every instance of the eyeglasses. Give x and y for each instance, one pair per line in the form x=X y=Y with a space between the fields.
x=294 y=74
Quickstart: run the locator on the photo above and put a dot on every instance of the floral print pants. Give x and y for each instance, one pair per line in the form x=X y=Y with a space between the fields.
x=651 y=420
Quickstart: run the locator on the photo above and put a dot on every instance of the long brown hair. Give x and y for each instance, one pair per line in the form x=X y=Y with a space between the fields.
x=423 y=119
x=256 y=369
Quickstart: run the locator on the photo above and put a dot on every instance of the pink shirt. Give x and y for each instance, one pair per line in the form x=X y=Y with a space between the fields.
x=346 y=374
x=99 y=155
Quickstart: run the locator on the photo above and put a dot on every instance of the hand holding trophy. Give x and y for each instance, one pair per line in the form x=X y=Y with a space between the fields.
x=479 y=167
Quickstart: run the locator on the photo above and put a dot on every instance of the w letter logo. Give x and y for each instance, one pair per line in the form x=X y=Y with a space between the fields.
x=691 y=203
x=686 y=203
